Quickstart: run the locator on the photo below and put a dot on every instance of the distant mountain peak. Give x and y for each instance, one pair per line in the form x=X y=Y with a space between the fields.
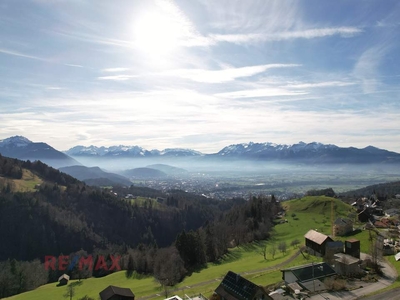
x=22 y=148
x=17 y=141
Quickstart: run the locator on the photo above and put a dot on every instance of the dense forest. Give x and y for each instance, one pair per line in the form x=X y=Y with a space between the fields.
x=65 y=216
x=382 y=190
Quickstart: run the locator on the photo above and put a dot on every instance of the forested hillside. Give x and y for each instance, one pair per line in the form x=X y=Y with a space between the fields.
x=387 y=190
x=65 y=216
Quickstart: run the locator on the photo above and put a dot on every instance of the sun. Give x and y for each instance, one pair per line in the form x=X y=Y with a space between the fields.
x=157 y=33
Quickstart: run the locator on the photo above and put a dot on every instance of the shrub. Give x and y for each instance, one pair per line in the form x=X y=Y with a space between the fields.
x=335 y=284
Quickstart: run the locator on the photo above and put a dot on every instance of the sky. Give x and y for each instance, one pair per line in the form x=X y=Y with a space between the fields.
x=200 y=74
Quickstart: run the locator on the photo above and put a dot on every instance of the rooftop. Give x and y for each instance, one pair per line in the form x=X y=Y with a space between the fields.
x=234 y=286
x=314 y=270
x=316 y=236
x=346 y=259
x=352 y=240
x=112 y=290
x=63 y=276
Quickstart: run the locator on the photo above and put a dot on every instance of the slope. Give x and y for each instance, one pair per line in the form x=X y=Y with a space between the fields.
x=21 y=148
x=85 y=173
x=246 y=259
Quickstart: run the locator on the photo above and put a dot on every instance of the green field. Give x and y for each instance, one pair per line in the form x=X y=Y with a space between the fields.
x=310 y=213
x=27 y=183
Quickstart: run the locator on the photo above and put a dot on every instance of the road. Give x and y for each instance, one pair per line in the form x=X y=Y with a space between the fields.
x=392 y=294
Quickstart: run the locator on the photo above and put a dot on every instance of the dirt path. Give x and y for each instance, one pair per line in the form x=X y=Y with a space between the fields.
x=275 y=267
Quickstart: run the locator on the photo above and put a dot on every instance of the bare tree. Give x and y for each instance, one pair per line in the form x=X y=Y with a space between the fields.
x=168 y=268
x=375 y=250
x=294 y=243
x=272 y=250
x=263 y=251
x=282 y=247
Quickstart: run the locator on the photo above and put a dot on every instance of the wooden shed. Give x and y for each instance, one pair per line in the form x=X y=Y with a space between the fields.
x=316 y=242
x=116 y=293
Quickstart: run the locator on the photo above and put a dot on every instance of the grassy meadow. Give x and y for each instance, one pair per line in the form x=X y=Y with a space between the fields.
x=27 y=183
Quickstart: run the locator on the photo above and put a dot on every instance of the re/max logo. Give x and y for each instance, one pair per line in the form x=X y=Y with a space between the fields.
x=65 y=263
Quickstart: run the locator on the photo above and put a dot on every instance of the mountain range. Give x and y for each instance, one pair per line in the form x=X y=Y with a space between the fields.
x=308 y=152
x=128 y=151
x=314 y=153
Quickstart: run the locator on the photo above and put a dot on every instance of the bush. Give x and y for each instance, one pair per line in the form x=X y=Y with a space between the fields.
x=335 y=284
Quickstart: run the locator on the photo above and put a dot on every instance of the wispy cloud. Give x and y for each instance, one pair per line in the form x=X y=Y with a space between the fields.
x=366 y=68
x=258 y=93
x=286 y=35
x=19 y=54
x=170 y=117
x=55 y=88
x=225 y=75
x=74 y=65
x=116 y=77
x=112 y=70
x=23 y=55
x=319 y=84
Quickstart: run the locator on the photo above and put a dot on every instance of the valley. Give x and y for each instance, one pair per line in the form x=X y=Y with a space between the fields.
x=178 y=227
x=283 y=185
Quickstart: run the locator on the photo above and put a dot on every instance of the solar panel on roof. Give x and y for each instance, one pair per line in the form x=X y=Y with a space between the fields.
x=239 y=285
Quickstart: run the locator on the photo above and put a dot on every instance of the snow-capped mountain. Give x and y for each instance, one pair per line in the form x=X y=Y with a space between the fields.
x=316 y=153
x=15 y=141
x=300 y=152
x=128 y=151
x=308 y=152
x=180 y=152
x=270 y=149
x=24 y=149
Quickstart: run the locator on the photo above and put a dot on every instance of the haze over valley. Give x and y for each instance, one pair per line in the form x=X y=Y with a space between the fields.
x=235 y=171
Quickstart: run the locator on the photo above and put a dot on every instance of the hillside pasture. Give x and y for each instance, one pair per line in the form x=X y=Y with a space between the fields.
x=28 y=181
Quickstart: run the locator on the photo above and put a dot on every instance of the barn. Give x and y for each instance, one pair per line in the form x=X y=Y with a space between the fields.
x=316 y=242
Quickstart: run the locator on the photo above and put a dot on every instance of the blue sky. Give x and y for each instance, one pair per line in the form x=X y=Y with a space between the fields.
x=200 y=74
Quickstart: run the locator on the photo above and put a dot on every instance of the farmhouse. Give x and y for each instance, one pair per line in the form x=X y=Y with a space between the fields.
x=116 y=293
x=308 y=276
x=235 y=287
x=316 y=242
x=63 y=280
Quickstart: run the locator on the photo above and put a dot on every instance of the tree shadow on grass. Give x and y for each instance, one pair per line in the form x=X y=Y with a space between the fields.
x=77 y=283
x=74 y=284
x=230 y=256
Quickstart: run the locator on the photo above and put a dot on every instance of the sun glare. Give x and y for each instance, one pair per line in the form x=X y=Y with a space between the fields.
x=157 y=33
